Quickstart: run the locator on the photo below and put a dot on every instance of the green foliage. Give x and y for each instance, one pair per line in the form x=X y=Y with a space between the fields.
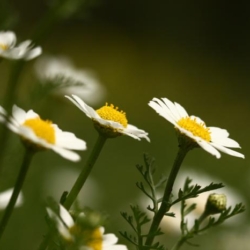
x=138 y=218
x=190 y=191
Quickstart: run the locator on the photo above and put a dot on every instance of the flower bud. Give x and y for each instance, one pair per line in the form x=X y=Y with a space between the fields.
x=216 y=203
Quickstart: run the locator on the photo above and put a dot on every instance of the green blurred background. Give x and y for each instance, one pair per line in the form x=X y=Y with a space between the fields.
x=195 y=53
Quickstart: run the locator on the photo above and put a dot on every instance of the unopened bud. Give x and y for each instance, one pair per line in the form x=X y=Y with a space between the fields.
x=216 y=203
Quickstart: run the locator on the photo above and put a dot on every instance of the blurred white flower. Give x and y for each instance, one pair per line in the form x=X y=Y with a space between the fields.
x=42 y=134
x=170 y=224
x=5 y=197
x=211 y=139
x=95 y=239
x=68 y=80
x=109 y=120
x=9 y=50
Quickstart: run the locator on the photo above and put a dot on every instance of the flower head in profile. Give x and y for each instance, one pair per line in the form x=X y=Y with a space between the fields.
x=39 y=134
x=65 y=79
x=9 y=50
x=5 y=198
x=211 y=139
x=109 y=121
x=89 y=238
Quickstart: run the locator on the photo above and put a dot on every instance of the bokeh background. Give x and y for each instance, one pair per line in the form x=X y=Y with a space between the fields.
x=195 y=53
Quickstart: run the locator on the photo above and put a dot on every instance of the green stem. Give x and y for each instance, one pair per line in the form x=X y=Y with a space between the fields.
x=165 y=205
x=18 y=186
x=79 y=183
x=85 y=172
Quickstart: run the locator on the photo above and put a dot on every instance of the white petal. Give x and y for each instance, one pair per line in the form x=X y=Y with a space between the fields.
x=162 y=110
x=228 y=151
x=209 y=148
x=33 y=53
x=67 y=154
x=172 y=108
x=63 y=230
x=66 y=217
x=5 y=198
x=181 y=110
x=218 y=132
x=24 y=45
x=18 y=114
x=109 y=239
x=8 y=38
x=31 y=114
x=90 y=112
x=136 y=133
x=115 y=247
x=68 y=140
x=226 y=142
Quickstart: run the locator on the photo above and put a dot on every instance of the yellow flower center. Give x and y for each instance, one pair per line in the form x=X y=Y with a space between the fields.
x=113 y=114
x=197 y=129
x=3 y=46
x=42 y=129
x=93 y=239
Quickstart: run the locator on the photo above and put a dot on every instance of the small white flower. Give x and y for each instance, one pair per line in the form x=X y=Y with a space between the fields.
x=5 y=197
x=211 y=139
x=108 y=119
x=95 y=238
x=24 y=50
x=41 y=134
x=62 y=73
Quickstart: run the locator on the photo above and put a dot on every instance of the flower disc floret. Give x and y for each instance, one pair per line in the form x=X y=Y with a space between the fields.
x=93 y=238
x=4 y=46
x=198 y=129
x=42 y=129
x=110 y=112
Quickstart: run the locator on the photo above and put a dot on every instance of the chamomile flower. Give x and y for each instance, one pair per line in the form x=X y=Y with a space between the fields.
x=211 y=139
x=91 y=238
x=66 y=79
x=109 y=121
x=41 y=134
x=5 y=197
x=9 y=50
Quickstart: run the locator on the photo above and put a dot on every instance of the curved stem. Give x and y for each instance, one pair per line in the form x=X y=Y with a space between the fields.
x=165 y=205
x=18 y=186
x=85 y=172
x=78 y=184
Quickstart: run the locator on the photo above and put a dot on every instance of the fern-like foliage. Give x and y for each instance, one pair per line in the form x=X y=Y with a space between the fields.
x=139 y=218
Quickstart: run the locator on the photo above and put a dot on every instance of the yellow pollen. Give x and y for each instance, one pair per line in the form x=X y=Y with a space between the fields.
x=197 y=129
x=3 y=46
x=42 y=129
x=110 y=112
x=93 y=239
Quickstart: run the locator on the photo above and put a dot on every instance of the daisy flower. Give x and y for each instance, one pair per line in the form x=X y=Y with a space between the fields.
x=66 y=79
x=211 y=139
x=9 y=50
x=41 y=134
x=109 y=121
x=94 y=238
x=5 y=197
